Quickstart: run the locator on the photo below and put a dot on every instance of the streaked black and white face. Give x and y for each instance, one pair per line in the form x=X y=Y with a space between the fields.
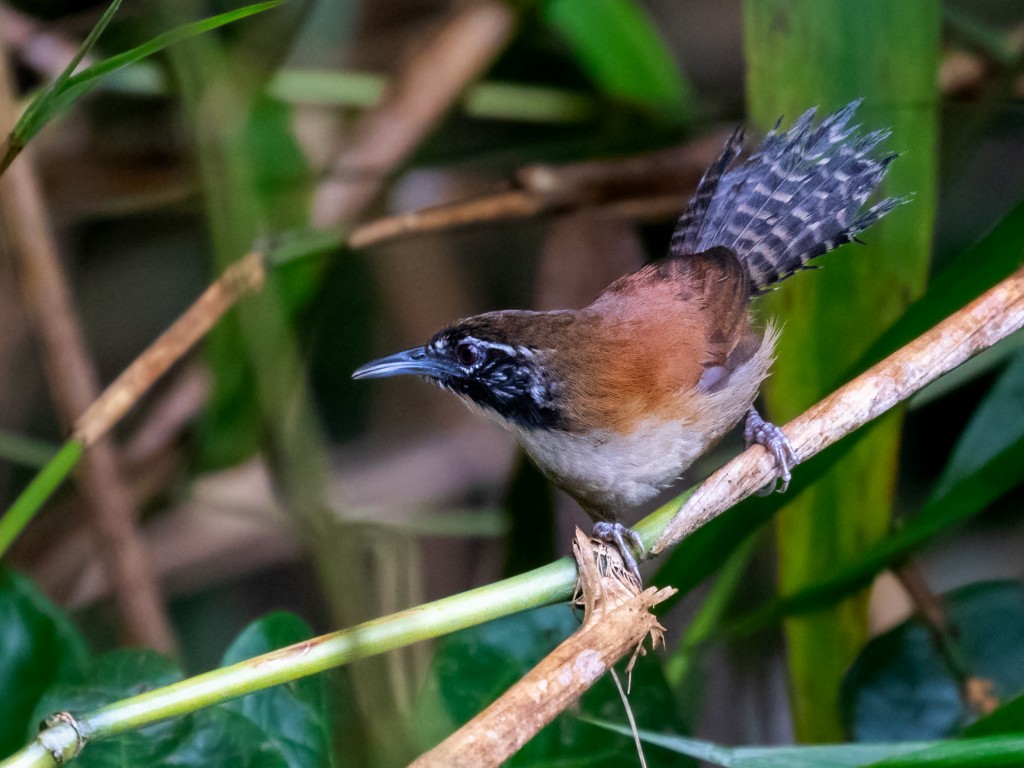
x=472 y=360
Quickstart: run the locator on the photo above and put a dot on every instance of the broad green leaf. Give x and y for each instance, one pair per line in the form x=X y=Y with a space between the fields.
x=800 y=54
x=901 y=686
x=113 y=676
x=293 y=717
x=68 y=89
x=220 y=738
x=618 y=47
x=473 y=667
x=38 y=647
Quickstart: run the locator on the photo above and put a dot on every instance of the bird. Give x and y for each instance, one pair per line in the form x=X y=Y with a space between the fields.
x=613 y=401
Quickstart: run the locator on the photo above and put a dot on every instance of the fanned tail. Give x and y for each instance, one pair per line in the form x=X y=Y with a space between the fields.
x=797 y=197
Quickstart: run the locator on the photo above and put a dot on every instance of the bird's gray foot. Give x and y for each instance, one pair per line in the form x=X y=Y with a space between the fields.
x=761 y=432
x=626 y=540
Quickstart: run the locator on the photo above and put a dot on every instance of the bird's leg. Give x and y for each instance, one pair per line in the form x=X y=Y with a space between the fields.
x=626 y=540
x=761 y=432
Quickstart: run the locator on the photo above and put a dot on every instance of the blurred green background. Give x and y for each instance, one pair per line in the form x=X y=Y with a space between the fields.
x=266 y=480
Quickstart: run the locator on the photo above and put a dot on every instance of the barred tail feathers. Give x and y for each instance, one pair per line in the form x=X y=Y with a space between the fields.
x=797 y=197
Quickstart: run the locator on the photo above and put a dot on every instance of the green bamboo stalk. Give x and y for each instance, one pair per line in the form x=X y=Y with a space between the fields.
x=801 y=53
x=550 y=584
x=38 y=491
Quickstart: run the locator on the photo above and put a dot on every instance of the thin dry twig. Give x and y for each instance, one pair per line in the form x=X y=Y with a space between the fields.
x=416 y=100
x=617 y=620
x=992 y=316
x=74 y=384
x=652 y=185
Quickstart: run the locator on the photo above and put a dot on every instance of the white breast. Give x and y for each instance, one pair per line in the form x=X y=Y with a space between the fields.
x=609 y=473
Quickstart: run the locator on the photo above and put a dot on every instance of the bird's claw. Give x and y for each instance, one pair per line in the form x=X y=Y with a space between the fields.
x=757 y=431
x=626 y=540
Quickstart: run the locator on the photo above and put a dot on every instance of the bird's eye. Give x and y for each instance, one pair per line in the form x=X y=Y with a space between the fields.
x=469 y=354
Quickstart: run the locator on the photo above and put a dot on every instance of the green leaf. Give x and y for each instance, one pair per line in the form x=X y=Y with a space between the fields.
x=38 y=647
x=473 y=667
x=35 y=111
x=36 y=493
x=831 y=756
x=288 y=726
x=111 y=677
x=682 y=667
x=995 y=427
x=968 y=753
x=1009 y=718
x=221 y=739
x=18 y=449
x=293 y=717
x=900 y=687
x=1003 y=751
x=800 y=54
x=66 y=90
x=618 y=47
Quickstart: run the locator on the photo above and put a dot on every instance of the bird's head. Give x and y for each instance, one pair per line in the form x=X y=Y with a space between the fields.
x=480 y=360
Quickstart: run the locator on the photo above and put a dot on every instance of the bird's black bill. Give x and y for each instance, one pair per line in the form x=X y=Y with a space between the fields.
x=412 y=361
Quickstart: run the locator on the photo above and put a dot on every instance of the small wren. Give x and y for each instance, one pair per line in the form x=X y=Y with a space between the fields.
x=615 y=400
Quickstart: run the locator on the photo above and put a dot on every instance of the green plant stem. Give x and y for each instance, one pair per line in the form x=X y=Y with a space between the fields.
x=550 y=584
x=35 y=754
x=38 y=491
